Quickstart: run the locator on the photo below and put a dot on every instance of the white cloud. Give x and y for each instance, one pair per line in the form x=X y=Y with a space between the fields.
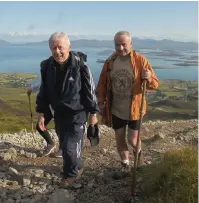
x=25 y=33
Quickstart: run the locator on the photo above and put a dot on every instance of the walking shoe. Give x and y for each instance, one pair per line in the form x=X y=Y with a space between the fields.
x=58 y=154
x=125 y=167
x=49 y=149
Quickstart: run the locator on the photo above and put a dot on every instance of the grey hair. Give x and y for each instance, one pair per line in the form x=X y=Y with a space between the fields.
x=58 y=35
x=128 y=34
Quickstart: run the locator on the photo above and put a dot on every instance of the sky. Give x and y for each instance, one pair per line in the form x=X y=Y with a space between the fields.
x=99 y=19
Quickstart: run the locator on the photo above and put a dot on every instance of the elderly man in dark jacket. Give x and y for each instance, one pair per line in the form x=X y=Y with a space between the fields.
x=68 y=86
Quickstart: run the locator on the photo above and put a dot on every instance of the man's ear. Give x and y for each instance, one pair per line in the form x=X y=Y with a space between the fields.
x=70 y=48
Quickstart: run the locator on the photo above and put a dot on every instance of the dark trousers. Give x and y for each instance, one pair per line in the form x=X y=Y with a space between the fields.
x=72 y=145
x=45 y=134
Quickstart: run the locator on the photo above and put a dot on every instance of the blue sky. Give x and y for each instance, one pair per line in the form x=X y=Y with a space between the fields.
x=158 y=20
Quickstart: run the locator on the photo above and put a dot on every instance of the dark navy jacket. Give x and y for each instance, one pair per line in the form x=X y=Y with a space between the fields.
x=78 y=90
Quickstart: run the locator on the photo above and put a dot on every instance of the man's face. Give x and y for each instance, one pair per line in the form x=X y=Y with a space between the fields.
x=123 y=45
x=60 y=49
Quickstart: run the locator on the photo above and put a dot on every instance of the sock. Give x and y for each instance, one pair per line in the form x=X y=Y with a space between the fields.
x=125 y=161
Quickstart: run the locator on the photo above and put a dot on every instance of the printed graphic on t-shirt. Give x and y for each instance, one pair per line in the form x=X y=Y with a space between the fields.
x=121 y=82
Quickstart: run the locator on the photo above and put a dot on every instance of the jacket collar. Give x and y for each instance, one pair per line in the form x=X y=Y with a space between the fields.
x=111 y=59
x=75 y=55
x=71 y=58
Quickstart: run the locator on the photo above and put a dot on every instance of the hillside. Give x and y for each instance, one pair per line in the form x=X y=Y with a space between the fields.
x=137 y=44
x=169 y=102
x=4 y=43
x=27 y=177
x=170 y=161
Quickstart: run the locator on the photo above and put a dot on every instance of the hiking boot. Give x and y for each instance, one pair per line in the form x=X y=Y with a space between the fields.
x=58 y=154
x=49 y=149
x=79 y=174
x=67 y=182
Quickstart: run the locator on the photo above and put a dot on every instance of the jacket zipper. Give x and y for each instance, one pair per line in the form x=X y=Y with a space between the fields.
x=63 y=85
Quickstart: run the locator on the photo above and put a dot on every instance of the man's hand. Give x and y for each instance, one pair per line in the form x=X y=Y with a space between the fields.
x=41 y=121
x=29 y=91
x=146 y=75
x=92 y=119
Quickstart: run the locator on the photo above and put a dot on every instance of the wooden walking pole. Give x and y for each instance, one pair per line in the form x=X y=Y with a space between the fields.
x=31 y=116
x=138 y=141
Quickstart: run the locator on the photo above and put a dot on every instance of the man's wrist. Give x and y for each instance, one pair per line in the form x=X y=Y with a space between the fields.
x=40 y=115
x=93 y=118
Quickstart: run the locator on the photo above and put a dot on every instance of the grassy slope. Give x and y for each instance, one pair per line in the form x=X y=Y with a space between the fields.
x=173 y=179
x=14 y=103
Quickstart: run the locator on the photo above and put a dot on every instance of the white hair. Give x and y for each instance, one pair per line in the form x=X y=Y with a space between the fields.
x=58 y=35
x=128 y=34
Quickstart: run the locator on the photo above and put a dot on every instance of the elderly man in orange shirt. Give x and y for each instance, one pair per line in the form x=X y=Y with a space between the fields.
x=120 y=91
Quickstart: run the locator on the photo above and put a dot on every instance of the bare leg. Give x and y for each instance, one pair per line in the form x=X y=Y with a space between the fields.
x=132 y=139
x=122 y=148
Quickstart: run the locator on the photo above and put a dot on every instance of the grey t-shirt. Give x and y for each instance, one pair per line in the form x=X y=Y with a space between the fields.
x=122 y=77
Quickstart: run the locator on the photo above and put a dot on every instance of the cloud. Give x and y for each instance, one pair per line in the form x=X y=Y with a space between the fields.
x=30 y=28
x=25 y=33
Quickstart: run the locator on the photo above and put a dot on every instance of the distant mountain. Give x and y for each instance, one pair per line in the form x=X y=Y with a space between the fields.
x=45 y=43
x=3 y=43
x=82 y=43
x=163 y=44
x=137 y=44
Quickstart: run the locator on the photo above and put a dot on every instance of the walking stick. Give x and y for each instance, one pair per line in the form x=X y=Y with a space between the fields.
x=138 y=140
x=31 y=116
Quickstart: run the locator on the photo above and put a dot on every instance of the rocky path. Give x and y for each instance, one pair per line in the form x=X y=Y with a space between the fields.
x=26 y=176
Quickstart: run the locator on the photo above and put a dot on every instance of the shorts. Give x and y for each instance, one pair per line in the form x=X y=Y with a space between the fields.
x=120 y=123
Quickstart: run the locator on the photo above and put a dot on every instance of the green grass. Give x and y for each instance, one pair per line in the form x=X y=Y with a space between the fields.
x=173 y=109
x=174 y=179
x=171 y=94
x=14 y=104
